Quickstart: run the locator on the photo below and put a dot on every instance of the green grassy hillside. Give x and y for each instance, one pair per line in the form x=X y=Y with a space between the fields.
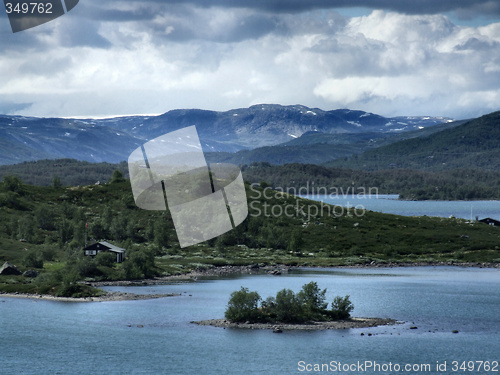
x=474 y=144
x=44 y=228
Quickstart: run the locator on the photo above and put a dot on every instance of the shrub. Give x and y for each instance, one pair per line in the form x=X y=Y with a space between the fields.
x=10 y=199
x=296 y=242
x=140 y=263
x=117 y=177
x=243 y=306
x=49 y=252
x=160 y=234
x=118 y=227
x=86 y=267
x=288 y=307
x=312 y=300
x=69 y=286
x=106 y=259
x=13 y=183
x=341 y=308
x=26 y=228
x=56 y=182
x=269 y=308
x=98 y=229
x=44 y=216
x=65 y=230
x=131 y=271
x=33 y=259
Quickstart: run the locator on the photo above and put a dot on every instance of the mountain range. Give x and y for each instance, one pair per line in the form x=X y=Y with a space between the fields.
x=473 y=144
x=318 y=148
x=239 y=135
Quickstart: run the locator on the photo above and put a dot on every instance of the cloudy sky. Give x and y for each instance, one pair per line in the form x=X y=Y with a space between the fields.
x=391 y=57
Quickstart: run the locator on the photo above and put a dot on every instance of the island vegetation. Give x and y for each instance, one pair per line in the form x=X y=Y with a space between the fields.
x=305 y=310
x=308 y=305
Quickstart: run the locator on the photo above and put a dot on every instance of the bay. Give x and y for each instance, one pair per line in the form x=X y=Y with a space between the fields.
x=156 y=336
x=390 y=204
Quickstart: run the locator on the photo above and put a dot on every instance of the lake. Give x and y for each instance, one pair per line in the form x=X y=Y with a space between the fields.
x=45 y=337
x=392 y=205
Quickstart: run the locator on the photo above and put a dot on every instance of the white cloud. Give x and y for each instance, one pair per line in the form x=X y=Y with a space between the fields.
x=413 y=65
x=216 y=58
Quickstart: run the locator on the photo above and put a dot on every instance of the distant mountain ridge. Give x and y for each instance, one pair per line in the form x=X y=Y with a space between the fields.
x=112 y=140
x=271 y=124
x=319 y=148
x=473 y=144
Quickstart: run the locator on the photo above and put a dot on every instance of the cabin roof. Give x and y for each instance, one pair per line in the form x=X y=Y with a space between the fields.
x=489 y=220
x=106 y=244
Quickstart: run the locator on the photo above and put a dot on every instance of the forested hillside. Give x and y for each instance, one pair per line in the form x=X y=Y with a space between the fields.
x=65 y=172
x=460 y=184
x=474 y=144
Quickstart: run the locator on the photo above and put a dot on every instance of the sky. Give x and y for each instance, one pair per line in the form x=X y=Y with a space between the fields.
x=122 y=57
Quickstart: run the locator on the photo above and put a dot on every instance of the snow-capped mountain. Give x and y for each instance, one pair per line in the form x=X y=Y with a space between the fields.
x=112 y=139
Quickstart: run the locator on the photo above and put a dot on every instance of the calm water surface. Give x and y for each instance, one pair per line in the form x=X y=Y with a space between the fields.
x=43 y=337
x=391 y=205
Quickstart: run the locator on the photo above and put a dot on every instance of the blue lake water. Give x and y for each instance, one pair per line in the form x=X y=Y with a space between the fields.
x=391 y=205
x=44 y=337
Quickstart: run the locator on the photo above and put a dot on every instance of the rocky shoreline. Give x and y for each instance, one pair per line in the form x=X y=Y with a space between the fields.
x=276 y=270
x=111 y=296
x=194 y=275
x=312 y=326
x=219 y=272
x=373 y=264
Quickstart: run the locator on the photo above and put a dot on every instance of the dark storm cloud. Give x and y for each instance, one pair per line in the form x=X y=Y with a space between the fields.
x=464 y=7
x=81 y=34
x=199 y=28
x=102 y=12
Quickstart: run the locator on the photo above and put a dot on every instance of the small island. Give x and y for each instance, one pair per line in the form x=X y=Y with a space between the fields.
x=305 y=310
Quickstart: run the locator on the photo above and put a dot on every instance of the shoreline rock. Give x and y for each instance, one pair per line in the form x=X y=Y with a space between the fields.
x=111 y=296
x=373 y=264
x=312 y=326
x=194 y=275
x=276 y=270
